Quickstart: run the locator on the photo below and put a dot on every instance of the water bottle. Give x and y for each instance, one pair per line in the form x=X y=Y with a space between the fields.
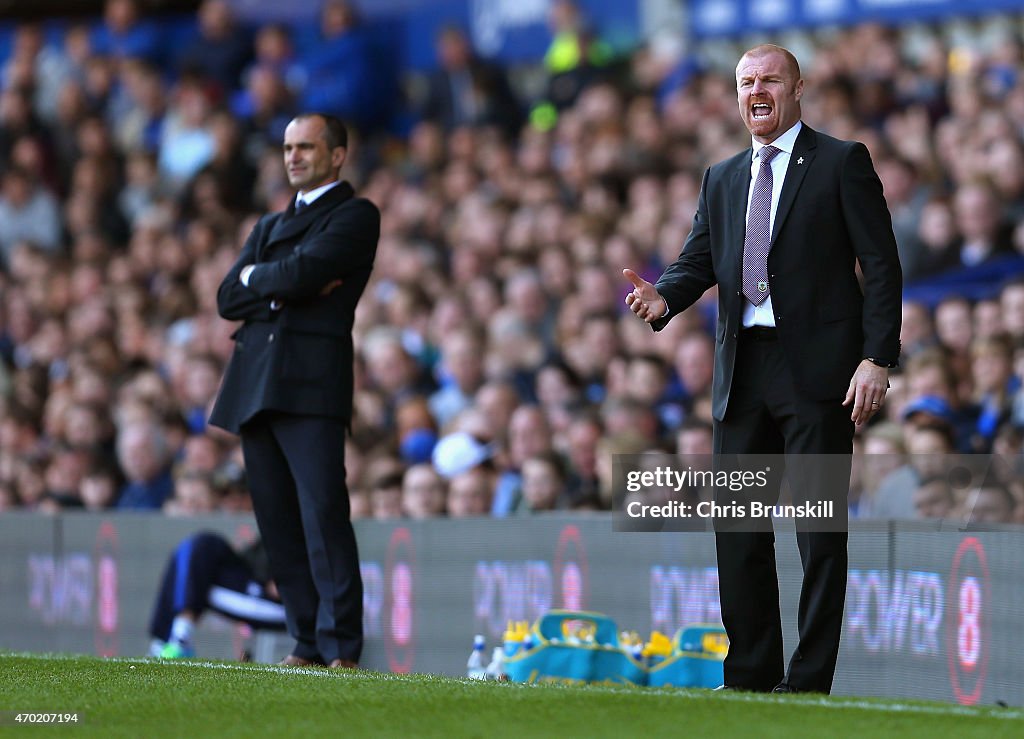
x=475 y=667
x=636 y=651
x=496 y=669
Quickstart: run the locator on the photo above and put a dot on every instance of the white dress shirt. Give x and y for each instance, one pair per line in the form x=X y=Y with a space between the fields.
x=309 y=197
x=763 y=315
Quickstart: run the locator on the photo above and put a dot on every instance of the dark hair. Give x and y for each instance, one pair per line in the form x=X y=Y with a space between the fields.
x=387 y=481
x=197 y=476
x=101 y=468
x=651 y=358
x=942 y=429
x=334 y=130
x=552 y=460
x=953 y=300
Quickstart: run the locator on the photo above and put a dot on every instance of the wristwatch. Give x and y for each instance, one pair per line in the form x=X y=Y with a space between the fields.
x=881 y=362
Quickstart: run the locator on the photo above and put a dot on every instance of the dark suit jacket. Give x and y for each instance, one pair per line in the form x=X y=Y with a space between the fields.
x=831 y=213
x=299 y=358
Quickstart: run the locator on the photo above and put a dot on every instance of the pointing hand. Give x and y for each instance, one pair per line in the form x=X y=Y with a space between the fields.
x=645 y=301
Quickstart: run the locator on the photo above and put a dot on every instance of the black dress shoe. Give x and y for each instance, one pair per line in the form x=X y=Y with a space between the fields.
x=346 y=664
x=784 y=688
x=727 y=687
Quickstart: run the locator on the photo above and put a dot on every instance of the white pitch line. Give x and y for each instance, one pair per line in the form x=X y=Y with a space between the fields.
x=821 y=701
x=791 y=699
x=860 y=704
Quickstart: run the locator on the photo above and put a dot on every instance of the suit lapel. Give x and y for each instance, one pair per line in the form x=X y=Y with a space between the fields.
x=290 y=224
x=799 y=162
x=261 y=245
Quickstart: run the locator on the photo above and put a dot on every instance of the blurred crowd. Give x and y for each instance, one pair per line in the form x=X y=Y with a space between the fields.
x=497 y=372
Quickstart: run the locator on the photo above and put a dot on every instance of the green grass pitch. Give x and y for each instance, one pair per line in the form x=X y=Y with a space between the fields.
x=198 y=699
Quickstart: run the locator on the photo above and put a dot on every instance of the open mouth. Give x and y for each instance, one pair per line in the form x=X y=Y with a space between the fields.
x=761 y=111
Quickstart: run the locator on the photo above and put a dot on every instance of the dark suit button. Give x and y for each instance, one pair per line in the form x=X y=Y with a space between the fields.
x=270 y=339
x=735 y=335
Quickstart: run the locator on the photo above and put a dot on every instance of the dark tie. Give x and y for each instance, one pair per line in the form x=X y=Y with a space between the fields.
x=758 y=241
x=300 y=205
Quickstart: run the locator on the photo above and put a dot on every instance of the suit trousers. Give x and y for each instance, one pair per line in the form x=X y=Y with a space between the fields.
x=767 y=414
x=296 y=469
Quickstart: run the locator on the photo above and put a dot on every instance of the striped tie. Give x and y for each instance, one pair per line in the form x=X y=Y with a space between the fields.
x=758 y=240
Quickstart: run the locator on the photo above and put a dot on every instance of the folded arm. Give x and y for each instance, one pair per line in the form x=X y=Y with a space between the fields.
x=347 y=244
x=235 y=301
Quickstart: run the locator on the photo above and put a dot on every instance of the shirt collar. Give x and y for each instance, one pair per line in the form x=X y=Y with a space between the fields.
x=309 y=197
x=785 y=142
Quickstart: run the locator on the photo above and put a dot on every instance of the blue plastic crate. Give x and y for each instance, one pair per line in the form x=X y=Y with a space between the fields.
x=698 y=654
x=554 y=659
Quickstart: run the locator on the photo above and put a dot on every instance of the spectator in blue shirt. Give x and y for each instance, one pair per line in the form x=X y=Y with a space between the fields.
x=123 y=34
x=344 y=76
x=222 y=48
x=143 y=454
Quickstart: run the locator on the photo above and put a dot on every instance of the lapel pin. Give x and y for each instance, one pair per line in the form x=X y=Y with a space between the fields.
x=800 y=160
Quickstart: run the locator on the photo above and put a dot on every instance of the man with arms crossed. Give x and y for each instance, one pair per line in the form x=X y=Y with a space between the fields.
x=779 y=228
x=288 y=387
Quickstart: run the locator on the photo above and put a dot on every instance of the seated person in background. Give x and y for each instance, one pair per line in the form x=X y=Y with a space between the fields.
x=145 y=457
x=8 y=496
x=994 y=386
x=204 y=572
x=694 y=446
x=933 y=394
x=423 y=492
x=934 y=499
x=467 y=90
x=883 y=452
x=359 y=503
x=990 y=503
x=194 y=494
x=543 y=484
x=470 y=493
x=928 y=447
x=98 y=488
x=386 y=497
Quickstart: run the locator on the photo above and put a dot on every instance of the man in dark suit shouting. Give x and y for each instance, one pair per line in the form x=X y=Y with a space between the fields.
x=779 y=229
x=288 y=387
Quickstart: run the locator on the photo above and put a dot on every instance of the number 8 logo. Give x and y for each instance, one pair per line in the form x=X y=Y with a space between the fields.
x=969 y=632
x=401 y=607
